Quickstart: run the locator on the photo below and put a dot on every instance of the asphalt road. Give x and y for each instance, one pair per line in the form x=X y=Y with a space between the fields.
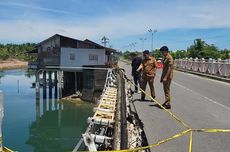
x=199 y=102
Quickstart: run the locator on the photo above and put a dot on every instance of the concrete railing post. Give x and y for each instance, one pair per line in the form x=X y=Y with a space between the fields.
x=37 y=85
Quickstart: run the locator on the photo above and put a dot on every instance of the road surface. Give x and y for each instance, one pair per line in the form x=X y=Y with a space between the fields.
x=199 y=102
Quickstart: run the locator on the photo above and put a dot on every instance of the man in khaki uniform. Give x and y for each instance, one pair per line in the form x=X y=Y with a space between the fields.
x=167 y=75
x=148 y=66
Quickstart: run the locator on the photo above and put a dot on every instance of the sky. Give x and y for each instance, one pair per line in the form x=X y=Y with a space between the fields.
x=124 y=22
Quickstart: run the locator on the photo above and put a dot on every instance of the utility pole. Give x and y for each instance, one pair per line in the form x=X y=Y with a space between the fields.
x=104 y=41
x=152 y=33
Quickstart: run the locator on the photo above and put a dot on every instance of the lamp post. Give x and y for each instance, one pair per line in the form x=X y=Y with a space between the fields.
x=132 y=46
x=152 y=33
x=143 y=42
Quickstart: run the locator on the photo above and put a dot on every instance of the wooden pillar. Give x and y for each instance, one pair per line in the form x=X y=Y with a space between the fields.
x=50 y=105
x=44 y=106
x=75 y=82
x=44 y=84
x=56 y=104
x=50 y=84
x=55 y=83
x=60 y=83
x=37 y=86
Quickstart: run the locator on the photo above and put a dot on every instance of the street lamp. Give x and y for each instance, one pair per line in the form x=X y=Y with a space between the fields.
x=143 y=41
x=152 y=32
x=132 y=46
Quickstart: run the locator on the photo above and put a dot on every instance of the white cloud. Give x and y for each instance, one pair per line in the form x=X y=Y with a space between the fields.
x=38 y=28
x=34 y=7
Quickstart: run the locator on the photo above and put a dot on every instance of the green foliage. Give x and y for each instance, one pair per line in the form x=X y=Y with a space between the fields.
x=4 y=54
x=196 y=50
x=157 y=54
x=17 y=51
x=202 y=50
x=179 y=54
x=225 y=54
x=128 y=55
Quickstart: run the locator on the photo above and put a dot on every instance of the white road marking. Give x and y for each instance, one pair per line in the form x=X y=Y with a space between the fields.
x=204 y=78
x=211 y=100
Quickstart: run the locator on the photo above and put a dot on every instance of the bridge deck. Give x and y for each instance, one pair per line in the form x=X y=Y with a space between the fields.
x=200 y=102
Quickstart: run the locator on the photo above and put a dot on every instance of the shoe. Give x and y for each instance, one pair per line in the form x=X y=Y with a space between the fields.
x=167 y=106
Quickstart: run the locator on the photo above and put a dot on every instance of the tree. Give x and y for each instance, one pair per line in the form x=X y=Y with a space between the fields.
x=18 y=51
x=179 y=54
x=4 y=54
x=202 y=50
x=126 y=55
x=211 y=51
x=196 y=50
x=156 y=53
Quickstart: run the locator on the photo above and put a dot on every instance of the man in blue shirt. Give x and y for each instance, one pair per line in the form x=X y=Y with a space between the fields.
x=136 y=61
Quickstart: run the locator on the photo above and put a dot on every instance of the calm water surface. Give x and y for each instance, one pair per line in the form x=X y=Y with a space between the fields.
x=44 y=126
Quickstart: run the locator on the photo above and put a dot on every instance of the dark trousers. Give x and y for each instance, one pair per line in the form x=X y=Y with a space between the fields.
x=136 y=79
x=166 y=86
x=150 y=81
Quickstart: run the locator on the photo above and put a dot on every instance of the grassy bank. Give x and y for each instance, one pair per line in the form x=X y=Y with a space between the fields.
x=12 y=64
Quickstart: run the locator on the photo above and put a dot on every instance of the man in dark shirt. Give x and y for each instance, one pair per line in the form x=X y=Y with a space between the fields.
x=136 y=61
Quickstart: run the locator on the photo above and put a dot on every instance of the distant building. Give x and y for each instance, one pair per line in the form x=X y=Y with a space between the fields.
x=69 y=55
x=59 y=50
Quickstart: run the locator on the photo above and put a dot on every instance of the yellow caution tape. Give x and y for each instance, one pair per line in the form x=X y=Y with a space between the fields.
x=168 y=111
x=150 y=146
x=190 y=142
x=5 y=149
x=211 y=130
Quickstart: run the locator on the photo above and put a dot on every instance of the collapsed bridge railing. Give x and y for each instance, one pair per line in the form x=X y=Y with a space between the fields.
x=108 y=128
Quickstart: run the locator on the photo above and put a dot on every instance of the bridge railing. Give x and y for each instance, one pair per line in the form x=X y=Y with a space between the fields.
x=213 y=67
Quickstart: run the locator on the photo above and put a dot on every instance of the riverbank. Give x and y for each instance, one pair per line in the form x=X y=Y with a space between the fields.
x=12 y=64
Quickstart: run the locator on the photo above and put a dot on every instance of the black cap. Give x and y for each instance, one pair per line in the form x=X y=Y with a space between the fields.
x=146 y=52
x=164 y=48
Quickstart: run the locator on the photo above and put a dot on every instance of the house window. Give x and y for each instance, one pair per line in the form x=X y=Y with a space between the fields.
x=72 y=56
x=93 y=57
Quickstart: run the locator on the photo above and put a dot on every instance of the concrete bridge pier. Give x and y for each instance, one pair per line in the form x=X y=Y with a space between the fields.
x=37 y=85
x=55 y=85
x=60 y=83
x=44 y=84
x=50 y=84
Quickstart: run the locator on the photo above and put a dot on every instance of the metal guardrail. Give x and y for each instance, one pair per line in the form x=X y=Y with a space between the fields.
x=219 y=67
x=124 y=134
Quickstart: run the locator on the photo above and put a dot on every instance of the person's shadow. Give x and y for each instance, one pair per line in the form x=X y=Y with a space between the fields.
x=141 y=100
x=155 y=105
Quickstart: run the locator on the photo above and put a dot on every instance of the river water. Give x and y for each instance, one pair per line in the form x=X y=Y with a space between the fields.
x=43 y=126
